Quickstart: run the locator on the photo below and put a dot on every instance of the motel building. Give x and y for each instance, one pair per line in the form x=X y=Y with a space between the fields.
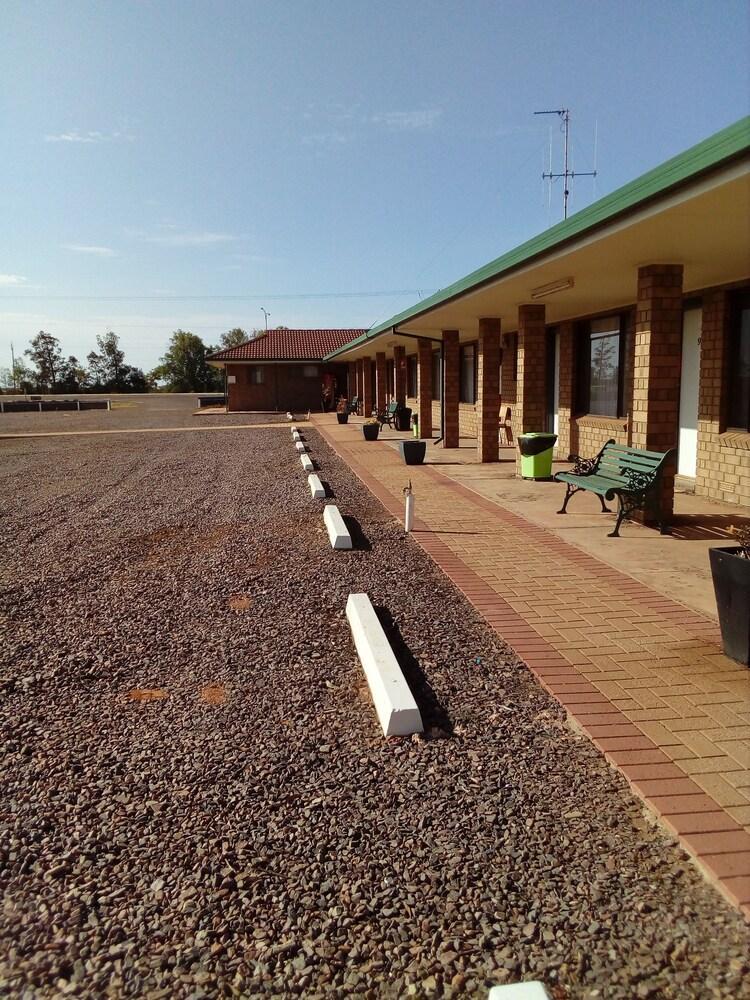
x=628 y=321
x=284 y=370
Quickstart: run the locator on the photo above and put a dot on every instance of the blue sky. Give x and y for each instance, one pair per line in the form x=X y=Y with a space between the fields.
x=181 y=164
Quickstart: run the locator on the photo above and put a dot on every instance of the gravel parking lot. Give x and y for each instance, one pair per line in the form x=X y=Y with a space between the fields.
x=130 y=411
x=196 y=796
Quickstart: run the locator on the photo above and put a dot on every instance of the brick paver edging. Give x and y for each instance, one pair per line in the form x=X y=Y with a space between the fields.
x=715 y=841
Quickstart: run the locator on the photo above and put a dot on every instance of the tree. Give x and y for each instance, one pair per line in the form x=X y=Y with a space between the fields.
x=46 y=356
x=183 y=368
x=73 y=376
x=233 y=338
x=107 y=366
x=18 y=379
x=97 y=372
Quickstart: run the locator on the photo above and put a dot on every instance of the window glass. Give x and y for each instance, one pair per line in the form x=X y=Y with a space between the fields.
x=437 y=381
x=257 y=376
x=604 y=366
x=739 y=367
x=468 y=373
x=310 y=371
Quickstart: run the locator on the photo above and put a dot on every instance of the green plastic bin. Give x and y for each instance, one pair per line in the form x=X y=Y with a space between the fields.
x=536 y=454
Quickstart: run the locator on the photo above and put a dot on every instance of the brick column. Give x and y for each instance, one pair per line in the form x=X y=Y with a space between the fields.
x=380 y=381
x=351 y=380
x=368 y=403
x=567 y=436
x=451 y=375
x=424 y=387
x=532 y=365
x=656 y=372
x=399 y=374
x=488 y=386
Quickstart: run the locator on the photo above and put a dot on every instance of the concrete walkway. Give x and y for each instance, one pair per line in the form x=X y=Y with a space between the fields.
x=641 y=674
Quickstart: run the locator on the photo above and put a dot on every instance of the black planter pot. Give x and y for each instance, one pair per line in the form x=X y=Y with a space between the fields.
x=343 y=418
x=412 y=452
x=731 y=574
x=402 y=419
x=370 y=431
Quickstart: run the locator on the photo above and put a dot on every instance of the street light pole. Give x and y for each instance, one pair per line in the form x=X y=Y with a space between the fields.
x=266 y=314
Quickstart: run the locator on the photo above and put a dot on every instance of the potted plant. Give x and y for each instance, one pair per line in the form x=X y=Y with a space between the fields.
x=412 y=452
x=730 y=569
x=371 y=429
x=342 y=410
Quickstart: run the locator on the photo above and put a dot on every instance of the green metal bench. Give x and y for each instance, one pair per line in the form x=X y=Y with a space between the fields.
x=631 y=475
x=353 y=405
x=388 y=415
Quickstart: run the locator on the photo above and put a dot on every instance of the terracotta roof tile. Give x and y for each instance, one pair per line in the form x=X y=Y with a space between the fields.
x=288 y=345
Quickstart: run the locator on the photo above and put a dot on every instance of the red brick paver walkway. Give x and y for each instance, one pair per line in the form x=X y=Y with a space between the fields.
x=642 y=676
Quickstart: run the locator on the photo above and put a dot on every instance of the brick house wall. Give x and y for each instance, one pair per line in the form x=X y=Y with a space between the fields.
x=285 y=387
x=723 y=465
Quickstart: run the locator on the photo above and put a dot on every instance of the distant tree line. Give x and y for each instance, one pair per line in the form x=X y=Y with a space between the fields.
x=43 y=369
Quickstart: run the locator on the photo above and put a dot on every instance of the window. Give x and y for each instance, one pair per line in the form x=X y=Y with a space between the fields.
x=257 y=375
x=739 y=364
x=310 y=371
x=411 y=375
x=468 y=363
x=600 y=367
x=437 y=380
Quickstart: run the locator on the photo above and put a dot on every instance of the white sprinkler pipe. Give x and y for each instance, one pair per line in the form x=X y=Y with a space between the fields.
x=409 y=512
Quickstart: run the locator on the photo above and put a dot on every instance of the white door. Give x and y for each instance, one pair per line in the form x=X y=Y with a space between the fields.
x=687 y=444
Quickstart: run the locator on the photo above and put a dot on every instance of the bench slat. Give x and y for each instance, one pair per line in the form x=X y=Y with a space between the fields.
x=637 y=452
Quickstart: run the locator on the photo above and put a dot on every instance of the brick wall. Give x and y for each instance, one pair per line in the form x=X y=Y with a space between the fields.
x=368 y=398
x=424 y=387
x=488 y=389
x=380 y=381
x=723 y=466
x=285 y=387
x=399 y=373
x=509 y=383
x=451 y=378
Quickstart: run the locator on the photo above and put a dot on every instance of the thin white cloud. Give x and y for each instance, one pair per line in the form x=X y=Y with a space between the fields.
x=406 y=121
x=11 y=280
x=203 y=239
x=90 y=137
x=93 y=251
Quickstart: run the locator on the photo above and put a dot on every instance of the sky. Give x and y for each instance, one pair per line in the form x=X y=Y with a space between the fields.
x=184 y=164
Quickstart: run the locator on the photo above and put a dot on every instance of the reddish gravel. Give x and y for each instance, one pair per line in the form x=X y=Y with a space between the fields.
x=197 y=799
x=152 y=410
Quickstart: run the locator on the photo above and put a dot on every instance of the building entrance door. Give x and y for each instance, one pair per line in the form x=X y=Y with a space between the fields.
x=687 y=442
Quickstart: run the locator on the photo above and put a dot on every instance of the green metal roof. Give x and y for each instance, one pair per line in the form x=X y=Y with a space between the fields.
x=725 y=145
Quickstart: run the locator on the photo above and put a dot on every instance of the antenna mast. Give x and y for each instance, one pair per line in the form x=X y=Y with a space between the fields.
x=564 y=115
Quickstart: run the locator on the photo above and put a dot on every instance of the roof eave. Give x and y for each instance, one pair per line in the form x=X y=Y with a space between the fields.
x=694 y=163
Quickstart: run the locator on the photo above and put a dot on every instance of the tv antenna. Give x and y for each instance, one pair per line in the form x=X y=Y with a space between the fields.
x=567 y=174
